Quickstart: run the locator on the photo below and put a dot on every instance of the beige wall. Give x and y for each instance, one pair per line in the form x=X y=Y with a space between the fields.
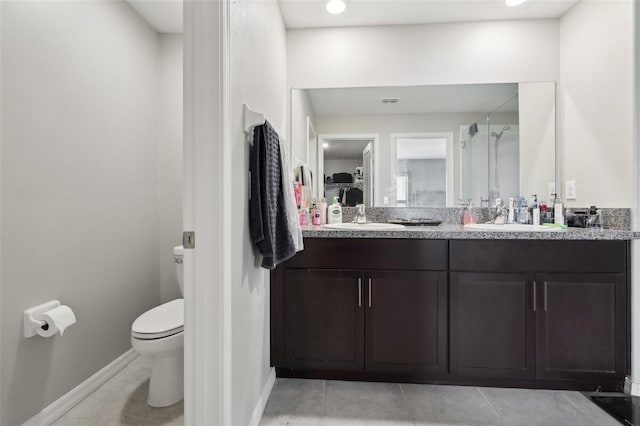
x=169 y=160
x=258 y=78
x=408 y=55
x=79 y=189
x=596 y=109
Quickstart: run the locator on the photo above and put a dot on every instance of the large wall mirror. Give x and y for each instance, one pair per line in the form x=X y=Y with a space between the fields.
x=427 y=146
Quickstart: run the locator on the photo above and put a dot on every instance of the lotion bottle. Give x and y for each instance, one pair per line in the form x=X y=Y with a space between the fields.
x=335 y=211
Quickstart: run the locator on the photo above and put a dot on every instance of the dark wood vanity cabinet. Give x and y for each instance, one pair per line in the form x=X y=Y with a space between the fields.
x=492 y=324
x=553 y=311
x=549 y=314
x=581 y=326
x=354 y=306
x=324 y=319
x=406 y=322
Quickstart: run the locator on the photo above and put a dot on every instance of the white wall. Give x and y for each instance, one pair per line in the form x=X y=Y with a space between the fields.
x=537 y=112
x=482 y=52
x=258 y=78
x=596 y=89
x=79 y=189
x=169 y=159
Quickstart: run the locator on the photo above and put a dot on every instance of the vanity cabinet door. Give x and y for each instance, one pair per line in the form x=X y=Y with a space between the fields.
x=492 y=325
x=406 y=322
x=581 y=326
x=324 y=319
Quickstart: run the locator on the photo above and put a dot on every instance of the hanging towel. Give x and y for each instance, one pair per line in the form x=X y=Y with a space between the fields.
x=268 y=214
x=290 y=198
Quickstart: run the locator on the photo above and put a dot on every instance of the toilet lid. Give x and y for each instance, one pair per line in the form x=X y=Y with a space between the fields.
x=161 y=321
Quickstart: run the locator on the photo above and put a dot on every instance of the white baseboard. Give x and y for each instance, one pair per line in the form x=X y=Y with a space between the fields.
x=262 y=401
x=72 y=398
x=635 y=389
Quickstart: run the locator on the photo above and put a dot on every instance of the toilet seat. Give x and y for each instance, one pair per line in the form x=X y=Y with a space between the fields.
x=162 y=321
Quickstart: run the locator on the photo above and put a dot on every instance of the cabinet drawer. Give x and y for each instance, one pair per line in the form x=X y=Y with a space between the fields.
x=529 y=256
x=388 y=254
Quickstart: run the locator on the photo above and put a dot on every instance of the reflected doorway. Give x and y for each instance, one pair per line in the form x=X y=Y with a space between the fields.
x=346 y=167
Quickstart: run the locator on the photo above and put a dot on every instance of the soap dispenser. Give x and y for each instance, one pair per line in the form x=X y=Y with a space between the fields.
x=469 y=215
x=558 y=212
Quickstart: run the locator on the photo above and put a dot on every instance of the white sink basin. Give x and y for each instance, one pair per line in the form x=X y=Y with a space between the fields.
x=513 y=227
x=364 y=226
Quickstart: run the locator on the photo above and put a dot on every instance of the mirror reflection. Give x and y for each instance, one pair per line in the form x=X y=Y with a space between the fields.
x=427 y=146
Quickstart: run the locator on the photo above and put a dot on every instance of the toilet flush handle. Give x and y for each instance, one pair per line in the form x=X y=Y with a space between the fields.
x=176 y=259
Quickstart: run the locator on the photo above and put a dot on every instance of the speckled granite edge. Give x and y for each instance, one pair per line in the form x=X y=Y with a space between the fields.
x=458 y=232
x=614 y=219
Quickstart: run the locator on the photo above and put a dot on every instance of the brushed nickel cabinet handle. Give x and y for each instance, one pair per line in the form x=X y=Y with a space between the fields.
x=369 y=291
x=545 y=296
x=534 y=296
x=359 y=292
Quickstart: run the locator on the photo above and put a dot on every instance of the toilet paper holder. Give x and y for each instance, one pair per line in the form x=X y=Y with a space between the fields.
x=31 y=324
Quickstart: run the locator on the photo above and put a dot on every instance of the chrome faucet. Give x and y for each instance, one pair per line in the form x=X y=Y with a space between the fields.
x=361 y=216
x=501 y=215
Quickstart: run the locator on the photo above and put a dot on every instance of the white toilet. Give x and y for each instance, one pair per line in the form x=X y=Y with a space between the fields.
x=159 y=333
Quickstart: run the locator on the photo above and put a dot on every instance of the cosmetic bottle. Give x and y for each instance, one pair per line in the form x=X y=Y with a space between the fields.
x=303 y=215
x=315 y=215
x=512 y=210
x=535 y=211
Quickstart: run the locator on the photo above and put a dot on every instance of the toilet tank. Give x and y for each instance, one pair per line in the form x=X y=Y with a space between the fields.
x=178 y=254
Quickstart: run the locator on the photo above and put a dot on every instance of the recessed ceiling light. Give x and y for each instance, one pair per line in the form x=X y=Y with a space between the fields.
x=513 y=3
x=336 y=7
x=325 y=145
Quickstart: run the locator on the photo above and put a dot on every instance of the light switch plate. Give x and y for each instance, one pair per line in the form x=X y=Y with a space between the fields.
x=385 y=200
x=570 y=190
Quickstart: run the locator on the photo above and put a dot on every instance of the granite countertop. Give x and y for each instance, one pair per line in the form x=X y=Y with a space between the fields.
x=458 y=232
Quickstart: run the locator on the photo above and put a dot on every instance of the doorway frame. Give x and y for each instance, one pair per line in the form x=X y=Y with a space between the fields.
x=328 y=137
x=450 y=160
x=206 y=211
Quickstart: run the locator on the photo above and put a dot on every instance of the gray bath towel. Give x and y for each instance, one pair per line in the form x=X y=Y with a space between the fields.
x=268 y=219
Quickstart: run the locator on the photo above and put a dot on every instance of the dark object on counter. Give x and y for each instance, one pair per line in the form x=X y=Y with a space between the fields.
x=342 y=178
x=578 y=219
x=328 y=180
x=625 y=409
x=416 y=222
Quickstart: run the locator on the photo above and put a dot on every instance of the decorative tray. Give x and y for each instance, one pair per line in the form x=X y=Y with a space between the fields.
x=416 y=222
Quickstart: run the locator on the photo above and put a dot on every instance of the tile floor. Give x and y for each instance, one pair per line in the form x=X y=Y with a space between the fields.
x=123 y=401
x=296 y=402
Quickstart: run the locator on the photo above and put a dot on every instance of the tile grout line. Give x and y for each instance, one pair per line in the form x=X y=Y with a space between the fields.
x=406 y=401
x=570 y=401
x=495 y=410
x=324 y=387
x=580 y=410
